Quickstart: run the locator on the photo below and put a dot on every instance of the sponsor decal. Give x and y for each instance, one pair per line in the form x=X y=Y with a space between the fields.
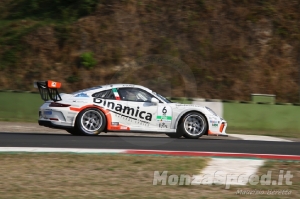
x=52 y=84
x=47 y=112
x=164 y=114
x=115 y=123
x=132 y=113
x=163 y=125
x=215 y=125
x=213 y=122
x=81 y=95
x=80 y=101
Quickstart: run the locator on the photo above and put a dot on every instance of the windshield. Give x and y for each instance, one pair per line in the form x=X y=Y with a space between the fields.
x=163 y=98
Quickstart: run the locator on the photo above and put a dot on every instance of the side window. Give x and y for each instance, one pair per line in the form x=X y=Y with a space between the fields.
x=107 y=94
x=134 y=94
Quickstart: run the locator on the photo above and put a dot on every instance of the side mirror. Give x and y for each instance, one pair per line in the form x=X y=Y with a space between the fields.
x=154 y=100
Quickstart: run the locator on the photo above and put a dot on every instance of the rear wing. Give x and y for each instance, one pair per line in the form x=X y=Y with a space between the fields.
x=48 y=90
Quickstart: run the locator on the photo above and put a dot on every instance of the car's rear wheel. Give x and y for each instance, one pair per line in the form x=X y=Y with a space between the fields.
x=193 y=125
x=90 y=122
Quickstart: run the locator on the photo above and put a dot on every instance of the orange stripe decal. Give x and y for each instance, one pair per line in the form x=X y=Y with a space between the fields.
x=222 y=127
x=107 y=114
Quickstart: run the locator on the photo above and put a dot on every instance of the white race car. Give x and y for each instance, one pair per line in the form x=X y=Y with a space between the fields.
x=125 y=108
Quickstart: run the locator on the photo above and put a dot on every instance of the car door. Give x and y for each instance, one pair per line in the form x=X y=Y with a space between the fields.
x=111 y=102
x=140 y=109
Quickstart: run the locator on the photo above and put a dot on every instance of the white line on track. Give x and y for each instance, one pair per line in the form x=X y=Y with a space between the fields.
x=259 y=138
x=63 y=150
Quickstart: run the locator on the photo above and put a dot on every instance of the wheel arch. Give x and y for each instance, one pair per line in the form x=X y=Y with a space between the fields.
x=79 y=110
x=182 y=115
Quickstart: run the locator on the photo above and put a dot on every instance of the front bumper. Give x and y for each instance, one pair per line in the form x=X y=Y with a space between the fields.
x=217 y=128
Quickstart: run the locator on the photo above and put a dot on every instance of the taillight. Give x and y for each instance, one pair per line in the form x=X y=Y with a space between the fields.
x=55 y=104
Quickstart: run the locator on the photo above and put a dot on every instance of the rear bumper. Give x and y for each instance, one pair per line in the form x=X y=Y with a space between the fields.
x=51 y=125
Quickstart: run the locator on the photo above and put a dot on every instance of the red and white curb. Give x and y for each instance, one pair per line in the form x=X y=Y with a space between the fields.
x=151 y=152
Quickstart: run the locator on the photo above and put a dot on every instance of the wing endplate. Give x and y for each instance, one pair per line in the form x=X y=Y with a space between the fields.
x=48 y=90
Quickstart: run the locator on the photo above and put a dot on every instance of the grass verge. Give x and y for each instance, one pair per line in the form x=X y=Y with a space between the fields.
x=52 y=175
x=263 y=119
x=19 y=106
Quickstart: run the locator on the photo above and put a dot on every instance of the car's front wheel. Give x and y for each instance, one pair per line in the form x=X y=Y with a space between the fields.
x=178 y=134
x=193 y=125
x=90 y=122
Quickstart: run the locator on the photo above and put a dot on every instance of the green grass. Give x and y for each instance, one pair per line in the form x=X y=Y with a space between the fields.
x=19 y=106
x=263 y=98
x=279 y=120
x=88 y=60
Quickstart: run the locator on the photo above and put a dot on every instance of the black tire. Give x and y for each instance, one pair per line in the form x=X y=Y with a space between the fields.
x=178 y=134
x=193 y=125
x=90 y=121
x=73 y=131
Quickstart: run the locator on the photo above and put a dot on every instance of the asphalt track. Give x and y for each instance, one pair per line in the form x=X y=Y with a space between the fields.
x=147 y=143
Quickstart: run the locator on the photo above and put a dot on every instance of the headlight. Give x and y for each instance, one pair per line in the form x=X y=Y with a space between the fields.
x=211 y=111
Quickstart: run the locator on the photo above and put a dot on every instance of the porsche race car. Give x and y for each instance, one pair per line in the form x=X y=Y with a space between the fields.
x=124 y=108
